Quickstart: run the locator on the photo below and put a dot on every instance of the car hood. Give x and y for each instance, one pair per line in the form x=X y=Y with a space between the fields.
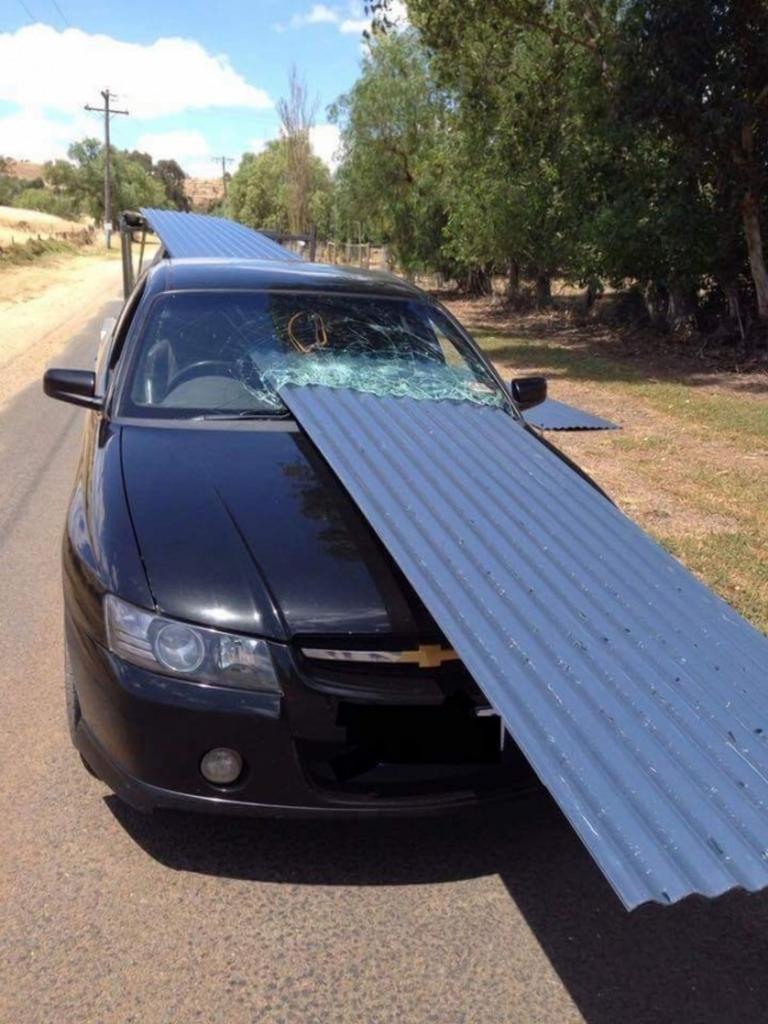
x=244 y=526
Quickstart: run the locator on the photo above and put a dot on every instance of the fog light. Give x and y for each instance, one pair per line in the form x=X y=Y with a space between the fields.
x=221 y=766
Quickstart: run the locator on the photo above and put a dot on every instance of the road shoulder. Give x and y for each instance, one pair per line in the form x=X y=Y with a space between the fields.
x=41 y=308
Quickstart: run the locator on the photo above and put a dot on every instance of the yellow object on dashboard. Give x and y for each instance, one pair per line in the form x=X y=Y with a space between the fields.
x=321 y=333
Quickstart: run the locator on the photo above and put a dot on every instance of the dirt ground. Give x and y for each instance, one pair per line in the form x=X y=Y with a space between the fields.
x=42 y=305
x=690 y=463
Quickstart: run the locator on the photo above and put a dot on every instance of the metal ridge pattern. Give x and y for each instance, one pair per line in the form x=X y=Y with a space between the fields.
x=638 y=696
x=554 y=415
x=190 y=235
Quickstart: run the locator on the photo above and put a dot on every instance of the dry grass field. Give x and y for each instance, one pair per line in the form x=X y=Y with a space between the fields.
x=19 y=226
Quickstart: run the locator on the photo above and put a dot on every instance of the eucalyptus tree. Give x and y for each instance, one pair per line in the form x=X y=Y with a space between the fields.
x=262 y=192
x=396 y=146
x=697 y=75
x=633 y=133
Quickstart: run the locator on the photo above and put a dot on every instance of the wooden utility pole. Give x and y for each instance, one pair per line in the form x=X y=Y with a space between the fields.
x=224 y=161
x=108 y=112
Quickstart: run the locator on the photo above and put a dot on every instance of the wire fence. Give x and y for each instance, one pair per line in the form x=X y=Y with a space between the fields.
x=355 y=254
x=18 y=237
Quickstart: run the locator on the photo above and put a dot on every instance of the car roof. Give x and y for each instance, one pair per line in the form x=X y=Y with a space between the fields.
x=204 y=274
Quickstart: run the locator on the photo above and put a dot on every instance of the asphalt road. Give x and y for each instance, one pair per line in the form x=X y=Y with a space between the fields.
x=108 y=916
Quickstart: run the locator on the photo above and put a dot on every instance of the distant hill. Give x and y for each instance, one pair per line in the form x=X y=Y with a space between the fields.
x=203 y=192
x=24 y=170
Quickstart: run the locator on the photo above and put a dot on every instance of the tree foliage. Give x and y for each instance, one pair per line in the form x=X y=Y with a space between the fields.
x=261 y=191
x=592 y=139
x=74 y=187
x=172 y=177
x=297 y=116
x=10 y=186
x=81 y=179
x=395 y=135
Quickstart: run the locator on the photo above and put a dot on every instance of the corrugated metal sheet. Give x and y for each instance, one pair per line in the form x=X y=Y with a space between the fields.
x=554 y=415
x=639 y=697
x=190 y=235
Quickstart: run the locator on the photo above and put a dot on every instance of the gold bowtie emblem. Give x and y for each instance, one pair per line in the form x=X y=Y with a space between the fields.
x=429 y=656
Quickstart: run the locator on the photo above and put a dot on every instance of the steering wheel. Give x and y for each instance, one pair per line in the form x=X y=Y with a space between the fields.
x=202 y=368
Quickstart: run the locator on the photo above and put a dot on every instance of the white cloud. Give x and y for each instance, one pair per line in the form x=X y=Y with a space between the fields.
x=325 y=139
x=209 y=168
x=45 y=69
x=30 y=135
x=258 y=145
x=182 y=146
x=318 y=15
x=398 y=13
x=354 y=25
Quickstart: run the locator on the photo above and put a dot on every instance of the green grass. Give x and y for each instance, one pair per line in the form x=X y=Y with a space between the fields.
x=731 y=414
x=724 y=412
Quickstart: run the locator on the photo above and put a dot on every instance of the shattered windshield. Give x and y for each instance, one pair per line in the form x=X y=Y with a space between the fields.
x=230 y=353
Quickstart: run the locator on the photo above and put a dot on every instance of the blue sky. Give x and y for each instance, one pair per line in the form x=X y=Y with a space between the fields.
x=199 y=77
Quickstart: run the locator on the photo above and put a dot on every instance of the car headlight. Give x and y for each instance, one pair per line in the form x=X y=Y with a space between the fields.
x=176 y=648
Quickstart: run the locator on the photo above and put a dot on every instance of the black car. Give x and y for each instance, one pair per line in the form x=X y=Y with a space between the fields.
x=237 y=637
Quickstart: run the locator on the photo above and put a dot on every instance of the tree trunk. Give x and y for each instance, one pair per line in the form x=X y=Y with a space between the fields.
x=731 y=293
x=657 y=304
x=730 y=289
x=513 y=281
x=752 y=233
x=478 y=282
x=683 y=303
x=592 y=292
x=543 y=290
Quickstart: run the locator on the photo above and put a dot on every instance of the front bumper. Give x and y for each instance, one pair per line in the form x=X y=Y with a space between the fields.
x=326 y=747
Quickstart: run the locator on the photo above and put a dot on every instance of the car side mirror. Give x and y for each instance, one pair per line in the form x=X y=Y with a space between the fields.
x=75 y=386
x=528 y=391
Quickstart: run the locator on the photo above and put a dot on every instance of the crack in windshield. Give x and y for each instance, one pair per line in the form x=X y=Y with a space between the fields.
x=222 y=354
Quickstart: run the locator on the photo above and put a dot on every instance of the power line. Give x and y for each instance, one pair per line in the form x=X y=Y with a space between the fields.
x=61 y=13
x=29 y=13
x=108 y=112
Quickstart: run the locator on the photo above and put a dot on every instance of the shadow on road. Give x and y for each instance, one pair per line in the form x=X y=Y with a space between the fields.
x=699 y=961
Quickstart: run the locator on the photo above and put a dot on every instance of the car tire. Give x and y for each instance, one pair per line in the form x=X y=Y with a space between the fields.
x=72 y=704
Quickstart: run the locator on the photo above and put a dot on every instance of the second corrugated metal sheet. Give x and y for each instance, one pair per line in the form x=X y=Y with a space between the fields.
x=193 y=235
x=554 y=415
x=640 y=698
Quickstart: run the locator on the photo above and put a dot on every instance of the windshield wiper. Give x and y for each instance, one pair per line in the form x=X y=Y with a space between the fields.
x=245 y=414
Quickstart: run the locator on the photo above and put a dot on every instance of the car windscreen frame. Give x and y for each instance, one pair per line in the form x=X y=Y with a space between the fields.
x=136 y=334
